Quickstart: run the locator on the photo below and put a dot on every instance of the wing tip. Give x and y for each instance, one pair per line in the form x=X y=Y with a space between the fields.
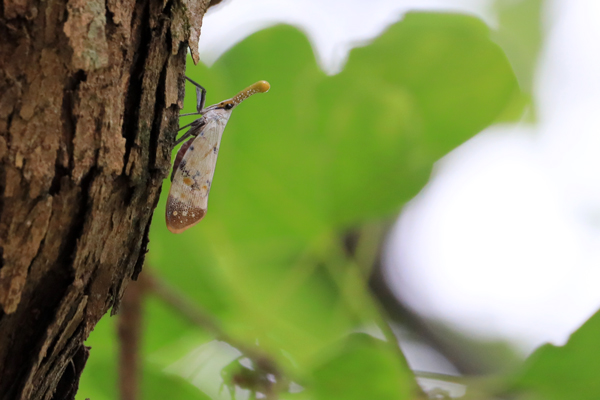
x=180 y=218
x=178 y=227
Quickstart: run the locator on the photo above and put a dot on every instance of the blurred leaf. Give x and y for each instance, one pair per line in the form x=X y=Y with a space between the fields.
x=99 y=379
x=313 y=157
x=159 y=386
x=165 y=339
x=165 y=328
x=520 y=35
x=204 y=367
x=363 y=369
x=237 y=375
x=566 y=372
x=425 y=86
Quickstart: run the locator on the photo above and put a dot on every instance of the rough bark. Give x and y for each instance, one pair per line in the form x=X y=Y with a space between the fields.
x=90 y=91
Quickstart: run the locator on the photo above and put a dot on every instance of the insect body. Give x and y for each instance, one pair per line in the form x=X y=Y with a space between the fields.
x=195 y=162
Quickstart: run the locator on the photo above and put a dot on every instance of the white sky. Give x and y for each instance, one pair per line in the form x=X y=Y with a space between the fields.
x=505 y=240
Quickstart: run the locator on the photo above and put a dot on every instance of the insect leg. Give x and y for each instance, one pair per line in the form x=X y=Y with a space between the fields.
x=183 y=127
x=186 y=135
x=200 y=95
x=196 y=128
x=181 y=139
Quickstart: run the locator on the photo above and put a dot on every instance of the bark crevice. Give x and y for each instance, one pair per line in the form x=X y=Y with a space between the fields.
x=140 y=26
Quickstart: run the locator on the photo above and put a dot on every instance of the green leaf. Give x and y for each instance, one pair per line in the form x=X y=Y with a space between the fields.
x=364 y=368
x=425 y=86
x=520 y=34
x=160 y=386
x=316 y=155
x=165 y=339
x=566 y=372
x=165 y=327
x=99 y=379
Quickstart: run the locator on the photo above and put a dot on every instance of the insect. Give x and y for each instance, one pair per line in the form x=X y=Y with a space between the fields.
x=195 y=162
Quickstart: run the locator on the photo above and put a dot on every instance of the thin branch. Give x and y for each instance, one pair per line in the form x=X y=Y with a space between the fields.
x=130 y=331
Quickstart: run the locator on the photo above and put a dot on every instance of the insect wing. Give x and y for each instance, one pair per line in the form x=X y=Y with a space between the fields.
x=188 y=198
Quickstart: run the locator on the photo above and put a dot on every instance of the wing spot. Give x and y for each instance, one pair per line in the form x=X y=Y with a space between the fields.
x=175 y=213
x=184 y=213
x=188 y=181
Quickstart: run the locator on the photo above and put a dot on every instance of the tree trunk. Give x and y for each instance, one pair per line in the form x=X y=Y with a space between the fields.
x=90 y=91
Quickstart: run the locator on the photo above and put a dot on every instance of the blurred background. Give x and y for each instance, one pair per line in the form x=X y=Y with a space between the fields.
x=420 y=170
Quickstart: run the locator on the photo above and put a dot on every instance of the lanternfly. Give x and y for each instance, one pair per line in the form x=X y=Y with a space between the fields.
x=195 y=162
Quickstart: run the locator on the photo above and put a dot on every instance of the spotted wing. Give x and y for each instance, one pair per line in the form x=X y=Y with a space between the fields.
x=188 y=198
